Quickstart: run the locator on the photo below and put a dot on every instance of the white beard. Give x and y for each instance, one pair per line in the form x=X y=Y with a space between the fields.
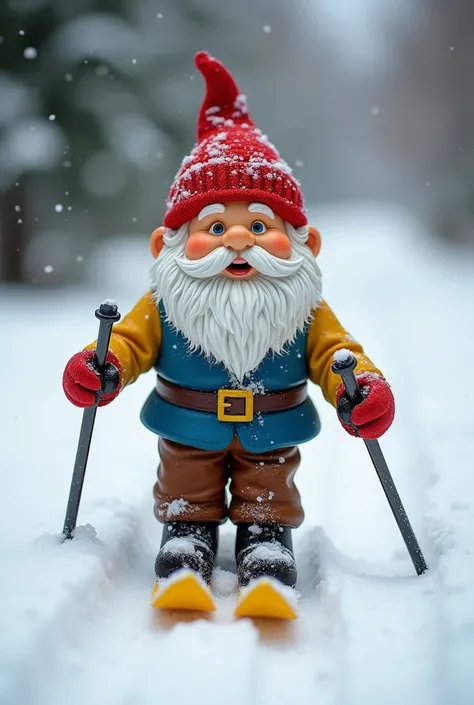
x=237 y=322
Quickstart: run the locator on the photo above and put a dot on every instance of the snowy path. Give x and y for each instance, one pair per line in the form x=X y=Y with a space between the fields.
x=76 y=617
x=130 y=653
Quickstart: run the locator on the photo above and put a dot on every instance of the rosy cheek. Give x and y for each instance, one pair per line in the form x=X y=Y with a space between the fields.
x=200 y=244
x=277 y=243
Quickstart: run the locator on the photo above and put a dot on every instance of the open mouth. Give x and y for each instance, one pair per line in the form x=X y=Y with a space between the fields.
x=239 y=267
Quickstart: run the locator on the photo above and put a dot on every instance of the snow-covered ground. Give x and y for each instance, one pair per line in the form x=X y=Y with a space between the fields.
x=75 y=621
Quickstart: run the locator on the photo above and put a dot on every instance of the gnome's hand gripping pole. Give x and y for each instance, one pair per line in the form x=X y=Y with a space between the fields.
x=107 y=314
x=344 y=366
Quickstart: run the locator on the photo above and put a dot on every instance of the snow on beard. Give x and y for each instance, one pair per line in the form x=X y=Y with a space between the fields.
x=237 y=322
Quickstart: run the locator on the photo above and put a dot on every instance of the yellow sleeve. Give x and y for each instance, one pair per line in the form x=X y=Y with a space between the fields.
x=136 y=339
x=325 y=336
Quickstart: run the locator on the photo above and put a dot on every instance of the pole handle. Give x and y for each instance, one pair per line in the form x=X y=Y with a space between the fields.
x=344 y=364
x=108 y=314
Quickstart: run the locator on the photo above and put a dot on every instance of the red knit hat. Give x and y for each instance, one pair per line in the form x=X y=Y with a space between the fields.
x=232 y=160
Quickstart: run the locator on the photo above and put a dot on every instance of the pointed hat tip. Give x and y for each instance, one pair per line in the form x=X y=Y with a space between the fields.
x=202 y=59
x=221 y=95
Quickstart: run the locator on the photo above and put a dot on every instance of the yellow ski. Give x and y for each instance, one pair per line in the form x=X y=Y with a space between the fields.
x=184 y=590
x=268 y=598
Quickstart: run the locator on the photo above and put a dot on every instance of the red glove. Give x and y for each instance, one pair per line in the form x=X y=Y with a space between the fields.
x=372 y=416
x=82 y=381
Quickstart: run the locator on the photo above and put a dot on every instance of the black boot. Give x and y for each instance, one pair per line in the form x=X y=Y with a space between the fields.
x=265 y=551
x=187 y=545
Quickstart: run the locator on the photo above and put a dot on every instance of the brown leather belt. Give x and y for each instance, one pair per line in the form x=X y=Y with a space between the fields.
x=232 y=404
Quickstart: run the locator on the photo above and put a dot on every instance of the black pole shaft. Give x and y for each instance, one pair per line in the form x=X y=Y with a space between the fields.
x=107 y=314
x=344 y=366
x=396 y=505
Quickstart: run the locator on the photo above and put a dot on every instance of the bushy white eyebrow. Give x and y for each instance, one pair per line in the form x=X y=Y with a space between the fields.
x=262 y=208
x=209 y=210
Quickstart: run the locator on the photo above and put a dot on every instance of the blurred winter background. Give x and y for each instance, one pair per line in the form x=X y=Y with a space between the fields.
x=366 y=99
x=371 y=102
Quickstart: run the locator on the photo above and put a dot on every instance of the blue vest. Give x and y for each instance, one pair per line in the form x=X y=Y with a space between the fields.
x=199 y=429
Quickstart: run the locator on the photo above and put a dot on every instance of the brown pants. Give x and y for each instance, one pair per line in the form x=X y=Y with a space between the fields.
x=192 y=484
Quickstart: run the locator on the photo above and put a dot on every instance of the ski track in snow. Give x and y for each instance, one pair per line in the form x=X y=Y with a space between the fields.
x=369 y=628
x=116 y=656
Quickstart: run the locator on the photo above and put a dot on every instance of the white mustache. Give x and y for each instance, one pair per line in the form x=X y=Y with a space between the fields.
x=219 y=259
x=269 y=265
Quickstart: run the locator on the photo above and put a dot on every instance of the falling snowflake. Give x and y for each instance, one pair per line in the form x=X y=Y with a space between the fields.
x=30 y=53
x=58 y=208
x=49 y=269
x=266 y=29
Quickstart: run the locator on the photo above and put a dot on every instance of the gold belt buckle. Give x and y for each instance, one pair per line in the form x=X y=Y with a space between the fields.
x=222 y=404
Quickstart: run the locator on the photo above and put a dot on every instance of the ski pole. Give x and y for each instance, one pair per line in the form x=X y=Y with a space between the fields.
x=107 y=314
x=344 y=366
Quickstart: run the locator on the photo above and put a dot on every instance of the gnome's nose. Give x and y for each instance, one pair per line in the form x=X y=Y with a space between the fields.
x=238 y=238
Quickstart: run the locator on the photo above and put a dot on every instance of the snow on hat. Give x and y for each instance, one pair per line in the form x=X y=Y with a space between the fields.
x=232 y=160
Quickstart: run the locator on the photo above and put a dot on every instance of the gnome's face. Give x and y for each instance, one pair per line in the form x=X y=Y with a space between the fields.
x=237 y=281
x=239 y=227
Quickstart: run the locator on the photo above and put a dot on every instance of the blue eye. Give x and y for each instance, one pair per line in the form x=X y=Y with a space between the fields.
x=258 y=228
x=217 y=229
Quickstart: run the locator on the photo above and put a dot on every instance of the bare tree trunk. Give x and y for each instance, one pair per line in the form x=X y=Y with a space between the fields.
x=12 y=233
